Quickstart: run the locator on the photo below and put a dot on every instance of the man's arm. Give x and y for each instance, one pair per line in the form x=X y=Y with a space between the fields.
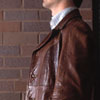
x=74 y=75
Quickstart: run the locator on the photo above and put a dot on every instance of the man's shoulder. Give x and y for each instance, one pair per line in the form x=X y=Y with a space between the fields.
x=77 y=26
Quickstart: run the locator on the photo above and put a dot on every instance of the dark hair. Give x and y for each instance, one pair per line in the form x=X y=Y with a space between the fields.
x=77 y=3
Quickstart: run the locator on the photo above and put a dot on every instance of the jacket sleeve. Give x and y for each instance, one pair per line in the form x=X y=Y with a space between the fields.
x=74 y=76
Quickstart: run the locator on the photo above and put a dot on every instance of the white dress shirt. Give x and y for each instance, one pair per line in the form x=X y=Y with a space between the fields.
x=58 y=17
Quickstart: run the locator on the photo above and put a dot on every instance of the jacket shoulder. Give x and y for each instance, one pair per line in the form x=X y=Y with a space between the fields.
x=77 y=31
x=77 y=27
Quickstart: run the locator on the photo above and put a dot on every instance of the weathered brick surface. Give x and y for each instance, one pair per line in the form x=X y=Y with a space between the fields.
x=10 y=26
x=27 y=50
x=9 y=74
x=23 y=24
x=20 y=85
x=41 y=37
x=1 y=61
x=21 y=15
x=10 y=4
x=6 y=86
x=44 y=15
x=1 y=15
x=25 y=73
x=9 y=51
x=10 y=96
x=33 y=3
x=17 y=62
x=86 y=4
x=36 y=26
x=1 y=39
x=19 y=38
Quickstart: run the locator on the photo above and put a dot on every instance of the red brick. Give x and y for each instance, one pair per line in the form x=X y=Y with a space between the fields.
x=27 y=50
x=86 y=14
x=45 y=15
x=1 y=38
x=36 y=27
x=21 y=15
x=1 y=62
x=9 y=74
x=17 y=62
x=10 y=26
x=86 y=4
x=41 y=37
x=33 y=4
x=1 y=15
x=10 y=4
x=10 y=96
x=19 y=38
x=20 y=85
x=9 y=51
x=6 y=86
x=25 y=73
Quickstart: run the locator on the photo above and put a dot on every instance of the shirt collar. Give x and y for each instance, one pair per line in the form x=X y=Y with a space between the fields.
x=58 y=17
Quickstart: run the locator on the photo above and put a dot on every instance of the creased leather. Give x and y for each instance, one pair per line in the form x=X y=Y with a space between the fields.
x=62 y=66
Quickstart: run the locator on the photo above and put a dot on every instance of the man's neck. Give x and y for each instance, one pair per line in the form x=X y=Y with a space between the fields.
x=61 y=6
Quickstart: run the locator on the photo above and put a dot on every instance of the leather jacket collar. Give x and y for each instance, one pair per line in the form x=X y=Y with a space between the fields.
x=73 y=14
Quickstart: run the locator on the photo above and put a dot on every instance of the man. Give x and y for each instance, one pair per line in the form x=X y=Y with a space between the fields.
x=62 y=65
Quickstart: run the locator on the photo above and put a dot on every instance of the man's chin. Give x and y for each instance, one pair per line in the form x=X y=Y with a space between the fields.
x=45 y=6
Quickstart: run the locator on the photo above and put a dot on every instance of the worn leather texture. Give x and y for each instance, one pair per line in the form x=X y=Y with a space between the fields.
x=62 y=66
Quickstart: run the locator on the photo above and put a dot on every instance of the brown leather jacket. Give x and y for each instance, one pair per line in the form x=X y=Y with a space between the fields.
x=62 y=65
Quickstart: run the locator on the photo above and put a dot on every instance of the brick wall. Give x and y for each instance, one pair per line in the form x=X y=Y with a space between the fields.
x=23 y=25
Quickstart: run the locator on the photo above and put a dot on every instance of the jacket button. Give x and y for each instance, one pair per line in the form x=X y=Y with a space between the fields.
x=32 y=75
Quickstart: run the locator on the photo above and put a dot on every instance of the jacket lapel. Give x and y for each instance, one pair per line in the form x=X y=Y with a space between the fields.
x=74 y=14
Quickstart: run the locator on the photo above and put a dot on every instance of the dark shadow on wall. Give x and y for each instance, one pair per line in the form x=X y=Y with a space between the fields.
x=96 y=29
